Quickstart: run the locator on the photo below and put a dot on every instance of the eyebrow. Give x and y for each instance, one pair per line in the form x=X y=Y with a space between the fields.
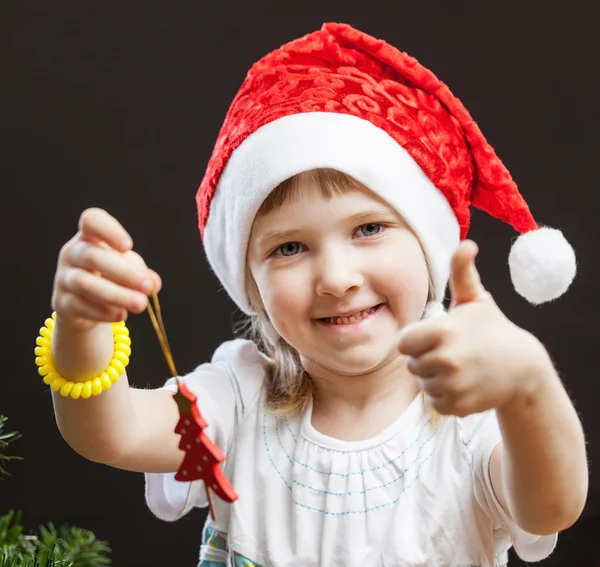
x=276 y=235
x=362 y=217
x=371 y=214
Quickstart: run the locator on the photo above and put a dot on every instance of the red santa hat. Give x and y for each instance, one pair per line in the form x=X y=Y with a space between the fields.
x=341 y=99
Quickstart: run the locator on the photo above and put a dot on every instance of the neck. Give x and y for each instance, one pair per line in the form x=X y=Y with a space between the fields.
x=391 y=381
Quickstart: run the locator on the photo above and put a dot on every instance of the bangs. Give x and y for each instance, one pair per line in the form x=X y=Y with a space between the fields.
x=331 y=182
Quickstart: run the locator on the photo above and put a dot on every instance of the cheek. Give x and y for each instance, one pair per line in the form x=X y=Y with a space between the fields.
x=284 y=297
x=406 y=285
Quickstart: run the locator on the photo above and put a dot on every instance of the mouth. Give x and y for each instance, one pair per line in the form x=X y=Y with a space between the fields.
x=353 y=319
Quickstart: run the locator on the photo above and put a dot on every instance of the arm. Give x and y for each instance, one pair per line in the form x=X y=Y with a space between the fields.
x=123 y=427
x=539 y=473
x=475 y=359
x=99 y=278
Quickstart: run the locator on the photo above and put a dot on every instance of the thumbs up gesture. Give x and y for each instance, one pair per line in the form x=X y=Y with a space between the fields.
x=474 y=358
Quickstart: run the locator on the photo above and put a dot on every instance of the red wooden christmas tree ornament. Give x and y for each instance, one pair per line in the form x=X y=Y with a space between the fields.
x=202 y=457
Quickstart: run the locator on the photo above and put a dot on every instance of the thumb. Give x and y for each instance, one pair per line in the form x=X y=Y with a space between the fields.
x=465 y=283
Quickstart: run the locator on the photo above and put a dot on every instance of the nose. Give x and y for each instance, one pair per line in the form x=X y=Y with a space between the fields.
x=338 y=273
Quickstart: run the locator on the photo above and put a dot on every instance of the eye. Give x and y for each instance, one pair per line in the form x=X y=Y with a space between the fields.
x=288 y=249
x=370 y=229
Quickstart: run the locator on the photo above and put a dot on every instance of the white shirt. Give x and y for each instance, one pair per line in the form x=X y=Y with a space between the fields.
x=417 y=494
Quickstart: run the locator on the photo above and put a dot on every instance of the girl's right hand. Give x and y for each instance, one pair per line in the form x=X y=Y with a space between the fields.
x=99 y=278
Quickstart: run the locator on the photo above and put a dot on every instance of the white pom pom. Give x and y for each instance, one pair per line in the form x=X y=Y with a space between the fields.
x=542 y=265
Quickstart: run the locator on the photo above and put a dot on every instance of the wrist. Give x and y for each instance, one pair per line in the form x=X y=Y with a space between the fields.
x=535 y=374
x=69 y=363
x=81 y=351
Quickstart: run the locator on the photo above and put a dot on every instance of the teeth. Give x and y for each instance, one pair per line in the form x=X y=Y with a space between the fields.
x=352 y=319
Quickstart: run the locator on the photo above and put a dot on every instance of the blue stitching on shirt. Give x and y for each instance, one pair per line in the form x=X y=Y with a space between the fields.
x=287 y=424
x=373 y=508
x=351 y=492
x=466 y=443
x=330 y=473
x=269 y=452
x=280 y=443
x=350 y=512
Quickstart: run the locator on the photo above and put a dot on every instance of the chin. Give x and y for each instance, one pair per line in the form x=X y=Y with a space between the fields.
x=355 y=361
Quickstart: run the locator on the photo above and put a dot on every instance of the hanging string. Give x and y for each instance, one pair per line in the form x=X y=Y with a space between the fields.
x=161 y=333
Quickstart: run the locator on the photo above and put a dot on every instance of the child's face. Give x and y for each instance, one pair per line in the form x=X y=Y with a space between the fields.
x=314 y=259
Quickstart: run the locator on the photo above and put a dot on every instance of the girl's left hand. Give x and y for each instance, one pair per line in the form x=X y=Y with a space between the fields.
x=474 y=358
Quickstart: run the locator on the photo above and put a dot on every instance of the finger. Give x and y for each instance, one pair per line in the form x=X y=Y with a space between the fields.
x=157 y=281
x=68 y=304
x=110 y=264
x=154 y=282
x=428 y=365
x=97 y=225
x=419 y=338
x=101 y=291
x=432 y=387
x=465 y=283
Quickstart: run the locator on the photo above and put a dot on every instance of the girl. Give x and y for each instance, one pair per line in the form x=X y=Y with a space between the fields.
x=332 y=212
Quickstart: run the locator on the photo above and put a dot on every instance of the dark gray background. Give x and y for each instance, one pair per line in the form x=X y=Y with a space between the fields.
x=118 y=105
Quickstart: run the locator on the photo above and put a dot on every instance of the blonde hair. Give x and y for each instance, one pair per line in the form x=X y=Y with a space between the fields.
x=289 y=387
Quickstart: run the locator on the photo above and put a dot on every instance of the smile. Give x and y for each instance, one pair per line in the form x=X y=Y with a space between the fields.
x=351 y=319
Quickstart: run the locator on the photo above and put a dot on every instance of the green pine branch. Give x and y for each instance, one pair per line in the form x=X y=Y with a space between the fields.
x=42 y=559
x=5 y=440
x=75 y=544
x=65 y=546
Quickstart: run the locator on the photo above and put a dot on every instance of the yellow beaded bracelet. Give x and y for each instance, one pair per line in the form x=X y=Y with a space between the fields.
x=93 y=386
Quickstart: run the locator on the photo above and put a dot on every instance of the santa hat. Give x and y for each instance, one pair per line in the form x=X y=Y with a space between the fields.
x=338 y=98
